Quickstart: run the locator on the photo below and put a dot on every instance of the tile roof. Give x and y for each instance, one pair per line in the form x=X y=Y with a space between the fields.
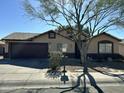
x=20 y=36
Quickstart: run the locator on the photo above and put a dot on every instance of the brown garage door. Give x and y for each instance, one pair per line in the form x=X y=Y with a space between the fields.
x=28 y=50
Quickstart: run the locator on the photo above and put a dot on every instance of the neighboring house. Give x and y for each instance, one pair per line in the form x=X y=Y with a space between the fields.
x=121 y=48
x=33 y=45
x=2 y=45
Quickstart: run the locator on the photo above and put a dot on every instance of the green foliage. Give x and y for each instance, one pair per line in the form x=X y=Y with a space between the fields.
x=54 y=60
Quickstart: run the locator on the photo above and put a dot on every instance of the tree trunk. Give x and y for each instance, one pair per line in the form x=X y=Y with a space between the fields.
x=83 y=55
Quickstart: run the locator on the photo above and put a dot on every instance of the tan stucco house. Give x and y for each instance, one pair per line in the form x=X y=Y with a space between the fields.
x=34 y=45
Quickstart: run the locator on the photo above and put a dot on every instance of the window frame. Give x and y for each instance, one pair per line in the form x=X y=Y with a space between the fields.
x=53 y=36
x=62 y=46
x=59 y=47
x=105 y=42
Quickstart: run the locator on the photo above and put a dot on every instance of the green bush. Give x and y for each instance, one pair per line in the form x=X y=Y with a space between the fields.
x=54 y=60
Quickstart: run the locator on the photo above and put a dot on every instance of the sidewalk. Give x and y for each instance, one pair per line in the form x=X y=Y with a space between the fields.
x=35 y=78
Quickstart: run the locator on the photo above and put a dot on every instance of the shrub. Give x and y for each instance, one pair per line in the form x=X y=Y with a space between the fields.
x=55 y=59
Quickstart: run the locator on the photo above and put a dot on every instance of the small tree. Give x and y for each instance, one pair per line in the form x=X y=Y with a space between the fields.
x=98 y=15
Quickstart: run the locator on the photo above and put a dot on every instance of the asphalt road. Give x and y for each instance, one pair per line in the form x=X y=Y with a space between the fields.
x=106 y=89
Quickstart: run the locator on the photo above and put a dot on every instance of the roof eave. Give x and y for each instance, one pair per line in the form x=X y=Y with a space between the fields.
x=104 y=33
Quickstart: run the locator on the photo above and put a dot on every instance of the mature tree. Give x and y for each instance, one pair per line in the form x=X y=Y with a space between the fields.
x=96 y=15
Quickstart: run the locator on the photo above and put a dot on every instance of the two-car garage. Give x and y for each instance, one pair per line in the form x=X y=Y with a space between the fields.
x=28 y=50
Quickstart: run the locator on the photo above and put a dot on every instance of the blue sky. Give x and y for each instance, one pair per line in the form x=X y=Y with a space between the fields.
x=13 y=19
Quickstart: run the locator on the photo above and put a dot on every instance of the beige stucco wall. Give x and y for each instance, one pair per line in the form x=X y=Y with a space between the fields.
x=93 y=47
x=2 y=44
x=53 y=42
x=6 y=47
x=121 y=49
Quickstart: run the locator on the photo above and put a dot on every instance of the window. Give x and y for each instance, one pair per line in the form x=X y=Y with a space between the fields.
x=59 y=46
x=52 y=35
x=62 y=47
x=105 y=47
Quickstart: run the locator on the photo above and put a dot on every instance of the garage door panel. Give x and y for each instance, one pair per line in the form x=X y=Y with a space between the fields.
x=29 y=50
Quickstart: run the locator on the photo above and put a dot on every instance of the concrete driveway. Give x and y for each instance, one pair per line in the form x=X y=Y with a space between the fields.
x=22 y=73
x=18 y=72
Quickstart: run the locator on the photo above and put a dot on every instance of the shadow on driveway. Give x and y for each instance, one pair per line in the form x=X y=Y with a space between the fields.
x=31 y=63
x=113 y=65
x=44 y=63
x=38 y=63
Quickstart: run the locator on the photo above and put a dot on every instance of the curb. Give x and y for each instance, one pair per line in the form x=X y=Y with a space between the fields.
x=42 y=84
